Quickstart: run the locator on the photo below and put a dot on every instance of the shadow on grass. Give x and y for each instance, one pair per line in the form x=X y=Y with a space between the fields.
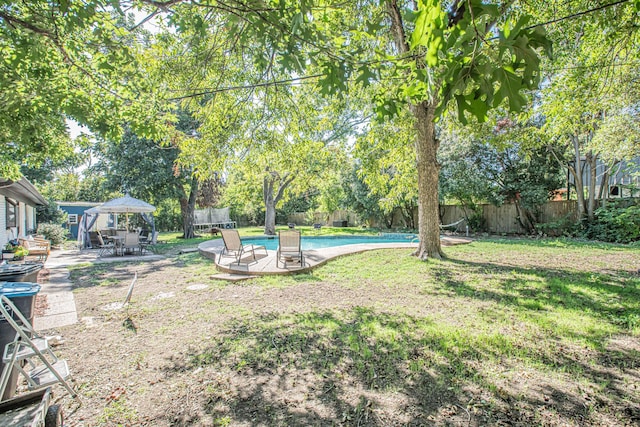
x=343 y=363
x=554 y=243
x=361 y=367
x=611 y=297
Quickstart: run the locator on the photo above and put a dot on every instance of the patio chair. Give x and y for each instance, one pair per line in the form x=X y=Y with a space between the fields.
x=289 y=248
x=131 y=243
x=233 y=245
x=150 y=243
x=105 y=248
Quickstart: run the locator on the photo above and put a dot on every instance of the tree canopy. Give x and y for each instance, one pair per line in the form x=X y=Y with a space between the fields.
x=253 y=76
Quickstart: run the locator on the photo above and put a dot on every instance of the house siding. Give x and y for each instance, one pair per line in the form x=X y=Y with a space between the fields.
x=79 y=209
x=3 y=223
x=30 y=219
x=10 y=232
x=22 y=219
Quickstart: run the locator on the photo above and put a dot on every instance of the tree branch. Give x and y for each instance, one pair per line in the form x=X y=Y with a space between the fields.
x=397 y=27
x=17 y=21
x=286 y=180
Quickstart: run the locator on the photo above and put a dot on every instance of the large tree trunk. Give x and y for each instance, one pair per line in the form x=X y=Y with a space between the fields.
x=269 y=217
x=271 y=200
x=187 y=209
x=525 y=218
x=426 y=146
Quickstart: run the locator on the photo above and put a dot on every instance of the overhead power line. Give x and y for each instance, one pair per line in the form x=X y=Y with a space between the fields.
x=244 y=87
x=578 y=14
x=300 y=79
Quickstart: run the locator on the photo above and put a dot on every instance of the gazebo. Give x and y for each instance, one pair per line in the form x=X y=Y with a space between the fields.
x=121 y=205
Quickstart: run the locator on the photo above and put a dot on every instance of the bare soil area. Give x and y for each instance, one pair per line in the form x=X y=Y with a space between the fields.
x=402 y=343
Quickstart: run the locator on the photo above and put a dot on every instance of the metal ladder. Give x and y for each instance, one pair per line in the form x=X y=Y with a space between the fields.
x=43 y=367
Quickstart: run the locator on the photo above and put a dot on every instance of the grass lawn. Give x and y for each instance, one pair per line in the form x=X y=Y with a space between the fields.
x=502 y=332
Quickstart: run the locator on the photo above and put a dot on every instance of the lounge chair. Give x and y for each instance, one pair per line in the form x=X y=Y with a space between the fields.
x=233 y=245
x=289 y=248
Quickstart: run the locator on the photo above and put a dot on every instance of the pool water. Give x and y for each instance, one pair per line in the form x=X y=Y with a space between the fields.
x=318 y=242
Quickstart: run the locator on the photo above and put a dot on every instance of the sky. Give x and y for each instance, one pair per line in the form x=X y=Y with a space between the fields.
x=75 y=129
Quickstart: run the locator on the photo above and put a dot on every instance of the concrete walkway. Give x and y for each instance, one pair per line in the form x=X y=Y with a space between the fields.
x=61 y=306
x=265 y=262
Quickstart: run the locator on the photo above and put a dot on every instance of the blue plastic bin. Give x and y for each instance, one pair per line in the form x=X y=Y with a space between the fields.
x=23 y=296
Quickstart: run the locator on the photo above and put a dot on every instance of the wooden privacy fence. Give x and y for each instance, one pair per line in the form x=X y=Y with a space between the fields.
x=497 y=219
x=324 y=218
x=504 y=219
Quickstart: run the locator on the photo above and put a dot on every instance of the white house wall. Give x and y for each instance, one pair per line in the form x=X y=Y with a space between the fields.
x=3 y=222
x=22 y=219
x=30 y=218
x=26 y=221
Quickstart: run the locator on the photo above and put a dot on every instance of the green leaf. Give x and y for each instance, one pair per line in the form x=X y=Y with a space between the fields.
x=420 y=32
x=479 y=109
x=64 y=6
x=462 y=106
x=385 y=108
x=365 y=76
x=510 y=86
x=296 y=23
x=334 y=80
x=373 y=27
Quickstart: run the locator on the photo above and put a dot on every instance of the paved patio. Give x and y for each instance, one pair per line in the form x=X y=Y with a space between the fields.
x=265 y=264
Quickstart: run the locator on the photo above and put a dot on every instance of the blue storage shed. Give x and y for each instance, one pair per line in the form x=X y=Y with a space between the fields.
x=74 y=211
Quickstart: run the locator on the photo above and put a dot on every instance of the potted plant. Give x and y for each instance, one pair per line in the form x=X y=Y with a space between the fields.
x=13 y=251
x=20 y=252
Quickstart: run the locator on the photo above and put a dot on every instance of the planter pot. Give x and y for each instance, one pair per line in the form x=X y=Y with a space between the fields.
x=8 y=255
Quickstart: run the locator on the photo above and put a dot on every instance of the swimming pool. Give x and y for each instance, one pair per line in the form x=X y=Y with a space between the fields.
x=319 y=242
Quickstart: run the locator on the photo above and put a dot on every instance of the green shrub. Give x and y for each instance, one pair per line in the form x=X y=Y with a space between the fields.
x=616 y=223
x=55 y=233
x=50 y=213
x=564 y=226
x=476 y=221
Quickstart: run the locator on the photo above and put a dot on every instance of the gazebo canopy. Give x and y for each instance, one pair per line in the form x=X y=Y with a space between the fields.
x=121 y=205
x=126 y=204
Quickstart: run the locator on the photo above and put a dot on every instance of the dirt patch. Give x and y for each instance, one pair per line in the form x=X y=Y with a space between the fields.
x=43 y=275
x=41 y=306
x=463 y=342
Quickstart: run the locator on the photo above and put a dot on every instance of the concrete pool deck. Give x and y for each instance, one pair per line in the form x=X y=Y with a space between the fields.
x=265 y=263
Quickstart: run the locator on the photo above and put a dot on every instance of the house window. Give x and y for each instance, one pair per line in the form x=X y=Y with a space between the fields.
x=73 y=218
x=12 y=213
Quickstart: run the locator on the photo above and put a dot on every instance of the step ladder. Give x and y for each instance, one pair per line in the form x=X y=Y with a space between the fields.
x=30 y=354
